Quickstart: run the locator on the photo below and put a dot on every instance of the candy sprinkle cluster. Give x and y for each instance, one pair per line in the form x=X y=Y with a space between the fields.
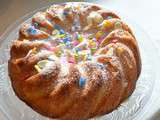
x=74 y=47
x=77 y=46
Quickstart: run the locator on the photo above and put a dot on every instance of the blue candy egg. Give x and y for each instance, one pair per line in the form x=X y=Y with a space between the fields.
x=89 y=57
x=61 y=31
x=68 y=44
x=57 y=27
x=51 y=58
x=66 y=39
x=31 y=30
x=109 y=17
x=82 y=81
x=77 y=49
x=101 y=66
x=65 y=12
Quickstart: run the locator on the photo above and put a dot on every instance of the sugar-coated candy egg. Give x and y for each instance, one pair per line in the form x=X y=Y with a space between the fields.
x=94 y=18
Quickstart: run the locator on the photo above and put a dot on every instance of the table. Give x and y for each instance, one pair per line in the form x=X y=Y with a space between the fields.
x=145 y=13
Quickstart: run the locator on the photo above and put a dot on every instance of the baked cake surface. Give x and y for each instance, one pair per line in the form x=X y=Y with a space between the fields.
x=74 y=61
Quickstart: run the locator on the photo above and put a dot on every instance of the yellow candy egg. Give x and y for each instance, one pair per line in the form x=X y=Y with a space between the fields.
x=99 y=34
x=91 y=44
x=41 y=64
x=25 y=40
x=106 y=23
x=120 y=50
x=80 y=38
x=76 y=56
x=37 y=68
x=78 y=7
x=59 y=53
x=55 y=32
x=34 y=50
x=62 y=35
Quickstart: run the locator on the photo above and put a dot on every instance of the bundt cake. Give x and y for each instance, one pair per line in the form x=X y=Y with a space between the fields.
x=74 y=61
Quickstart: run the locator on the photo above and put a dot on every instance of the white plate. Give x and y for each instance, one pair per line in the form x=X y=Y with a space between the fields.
x=135 y=107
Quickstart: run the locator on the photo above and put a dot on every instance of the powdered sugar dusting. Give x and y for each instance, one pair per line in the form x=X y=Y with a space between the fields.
x=51 y=68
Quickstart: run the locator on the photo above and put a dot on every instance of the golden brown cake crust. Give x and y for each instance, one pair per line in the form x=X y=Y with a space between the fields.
x=74 y=61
